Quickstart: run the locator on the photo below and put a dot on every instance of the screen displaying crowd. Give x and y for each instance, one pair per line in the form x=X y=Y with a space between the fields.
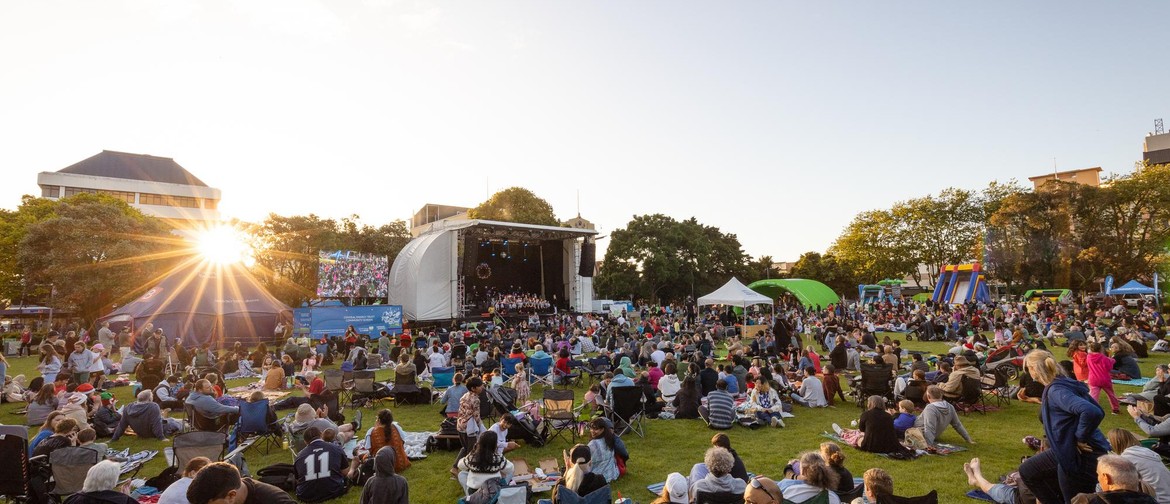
x=344 y=273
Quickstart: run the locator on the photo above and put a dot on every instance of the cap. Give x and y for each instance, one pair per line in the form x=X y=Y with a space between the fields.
x=99 y=347
x=676 y=488
x=106 y=396
x=85 y=388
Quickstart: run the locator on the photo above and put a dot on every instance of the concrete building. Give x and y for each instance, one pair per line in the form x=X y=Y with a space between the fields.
x=425 y=218
x=1156 y=148
x=155 y=185
x=784 y=267
x=1086 y=176
x=579 y=223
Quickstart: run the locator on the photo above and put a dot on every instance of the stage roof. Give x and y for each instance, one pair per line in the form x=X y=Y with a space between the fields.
x=487 y=229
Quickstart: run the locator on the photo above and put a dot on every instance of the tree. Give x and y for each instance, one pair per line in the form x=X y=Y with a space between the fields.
x=13 y=228
x=516 y=204
x=287 y=249
x=875 y=246
x=762 y=268
x=659 y=258
x=96 y=250
x=825 y=269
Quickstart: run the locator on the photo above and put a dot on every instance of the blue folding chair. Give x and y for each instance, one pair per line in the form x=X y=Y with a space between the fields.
x=442 y=378
x=508 y=367
x=254 y=422
x=541 y=371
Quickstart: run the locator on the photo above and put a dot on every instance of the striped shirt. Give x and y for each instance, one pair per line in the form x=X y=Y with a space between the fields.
x=720 y=409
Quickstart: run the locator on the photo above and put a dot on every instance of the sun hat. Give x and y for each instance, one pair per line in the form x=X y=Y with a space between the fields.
x=676 y=488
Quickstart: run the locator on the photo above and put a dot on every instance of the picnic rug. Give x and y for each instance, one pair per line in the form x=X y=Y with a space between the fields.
x=943 y=448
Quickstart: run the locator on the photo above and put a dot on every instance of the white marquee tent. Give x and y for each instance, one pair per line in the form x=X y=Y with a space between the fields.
x=734 y=293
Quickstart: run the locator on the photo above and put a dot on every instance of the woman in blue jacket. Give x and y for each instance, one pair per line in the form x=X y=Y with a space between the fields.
x=1070 y=419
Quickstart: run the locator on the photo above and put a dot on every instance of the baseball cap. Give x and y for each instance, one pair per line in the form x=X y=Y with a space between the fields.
x=676 y=488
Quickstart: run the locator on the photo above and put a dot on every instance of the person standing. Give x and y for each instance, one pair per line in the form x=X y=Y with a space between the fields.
x=1070 y=418
x=106 y=336
x=468 y=422
x=1100 y=377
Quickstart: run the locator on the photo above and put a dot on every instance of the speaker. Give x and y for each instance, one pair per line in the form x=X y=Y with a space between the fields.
x=588 y=259
x=470 y=256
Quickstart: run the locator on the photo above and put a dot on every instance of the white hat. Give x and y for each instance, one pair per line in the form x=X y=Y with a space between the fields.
x=676 y=488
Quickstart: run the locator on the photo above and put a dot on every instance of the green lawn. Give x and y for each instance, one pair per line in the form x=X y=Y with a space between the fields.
x=674 y=445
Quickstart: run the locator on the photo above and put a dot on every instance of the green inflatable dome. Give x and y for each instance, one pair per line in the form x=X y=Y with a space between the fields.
x=809 y=292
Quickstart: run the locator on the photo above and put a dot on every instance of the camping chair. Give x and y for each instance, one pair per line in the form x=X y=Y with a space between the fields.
x=15 y=468
x=598 y=366
x=196 y=421
x=874 y=380
x=373 y=361
x=540 y=371
x=995 y=384
x=930 y=498
x=193 y=444
x=254 y=422
x=626 y=412
x=363 y=387
x=130 y=363
x=334 y=382
x=296 y=438
x=857 y=491
x=442 y=378
x=508 y=367
x=970 y=395
x=567 y=379
x=70 y=464
x=404 y=386
x=722 y=498
x=557 y=410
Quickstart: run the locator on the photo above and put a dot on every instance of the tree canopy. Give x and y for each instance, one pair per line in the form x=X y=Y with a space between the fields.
x=656 y=257
x=516 y=204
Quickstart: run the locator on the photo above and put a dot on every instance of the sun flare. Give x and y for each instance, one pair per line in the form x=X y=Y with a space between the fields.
x=224 y=245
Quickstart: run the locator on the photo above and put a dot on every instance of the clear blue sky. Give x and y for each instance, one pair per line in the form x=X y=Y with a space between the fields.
x=777 y=121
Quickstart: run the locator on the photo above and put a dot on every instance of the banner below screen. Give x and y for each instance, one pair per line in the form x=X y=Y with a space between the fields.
x=334 y=320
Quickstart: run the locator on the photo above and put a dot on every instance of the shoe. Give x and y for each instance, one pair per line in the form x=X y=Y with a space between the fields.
x=357 y=420
x=780 y=422
x=775 y=422
x=838 y=429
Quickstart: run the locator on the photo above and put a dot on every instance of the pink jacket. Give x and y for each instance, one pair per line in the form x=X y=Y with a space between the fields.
x=1099 y=366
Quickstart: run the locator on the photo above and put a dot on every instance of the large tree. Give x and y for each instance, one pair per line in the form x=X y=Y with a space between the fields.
x=875 y=246
x=14 y=225
x=516 y=204
x=95 y=250
x=656 y=257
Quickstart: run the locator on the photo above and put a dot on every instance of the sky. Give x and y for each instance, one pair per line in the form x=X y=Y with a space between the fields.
x=776 y=121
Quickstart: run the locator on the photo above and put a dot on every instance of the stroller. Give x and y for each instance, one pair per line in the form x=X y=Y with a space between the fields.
x=1008 y=357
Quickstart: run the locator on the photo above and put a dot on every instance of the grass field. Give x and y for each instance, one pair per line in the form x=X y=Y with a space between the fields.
x=674 y=445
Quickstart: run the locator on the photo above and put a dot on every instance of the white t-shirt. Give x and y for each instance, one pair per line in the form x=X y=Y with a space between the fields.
x=176 y=493
x=438 y=360
x=501 y=437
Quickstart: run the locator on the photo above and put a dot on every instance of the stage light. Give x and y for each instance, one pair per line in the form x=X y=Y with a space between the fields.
x=223 y=245
x=493 y=254
x=505 y=242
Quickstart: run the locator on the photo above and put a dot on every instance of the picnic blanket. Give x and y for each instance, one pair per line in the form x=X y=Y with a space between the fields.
x=133 y=461
x=416 y=444
x=243 y=391
x=943 y=448
x=978 y=494
x=1136 y=382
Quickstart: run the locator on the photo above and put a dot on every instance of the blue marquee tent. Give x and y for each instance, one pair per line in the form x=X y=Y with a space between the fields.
x=1132 y=287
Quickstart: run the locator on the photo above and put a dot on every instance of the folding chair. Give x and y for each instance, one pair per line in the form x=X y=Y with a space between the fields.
x=69 y=466
x=557 y=409
x=970 y=395
x=193 y=444
x=626 y=412
x=930 y=498
x=874 y=380
x=363 y=387
x=346 y=394
x=600 y=496
x=198 y=422
x=995 y=385
x=404 y=384
x=598 y=366
x=566 y=379
x=254 y=422
x=540 y=371
x=334 y=382
x=725 y=498
x=508 y=367
x=15 y=468
x=442 y=378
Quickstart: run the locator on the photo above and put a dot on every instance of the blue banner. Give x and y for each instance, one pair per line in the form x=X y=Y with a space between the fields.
x=333 y=320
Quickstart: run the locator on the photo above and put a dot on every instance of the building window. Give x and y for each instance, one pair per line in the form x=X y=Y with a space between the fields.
x=128 y=197
x=165 y=200
x=150 y=199
x=73 y=191
x=48 y=191
x=210 y=204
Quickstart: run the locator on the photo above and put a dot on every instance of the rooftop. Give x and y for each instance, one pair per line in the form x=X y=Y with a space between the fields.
x=124 y=165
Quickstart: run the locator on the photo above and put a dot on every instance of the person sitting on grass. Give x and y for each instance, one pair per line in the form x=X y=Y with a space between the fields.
x=687 y=401
x=1007 y=492
x=738 y=469
x=146 y=419
x=220 y=482
x=85 y=439
x=832 y=384
x=386 y=486
x=815 y=478
x=1119 y=482
x=935 y=418
x=761 y=490
x=321 y=467
x=1148 y=463
x=579 y=477
x=879 y=487
x=875 y=431
x=720 y=409
x=607 y=449
x=719 y=479
x=905 y=418
x=46 y=430
x=812 y=391
x=765 y=402
x=484 y=463
x=835 y=457
x=176 y=493
x=64 y=435
x=675 y=490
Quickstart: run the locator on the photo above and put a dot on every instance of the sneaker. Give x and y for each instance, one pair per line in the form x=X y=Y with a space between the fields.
x=779 y=422
x=775 y=422
x=357 y=420
x=838 y=429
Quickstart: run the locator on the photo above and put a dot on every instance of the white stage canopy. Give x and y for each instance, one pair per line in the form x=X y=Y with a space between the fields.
x=734 y=293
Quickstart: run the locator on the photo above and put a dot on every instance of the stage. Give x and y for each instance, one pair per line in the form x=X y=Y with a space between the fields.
x=458 y=268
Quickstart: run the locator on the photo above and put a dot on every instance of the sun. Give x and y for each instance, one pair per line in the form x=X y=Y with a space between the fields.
x=223 y=245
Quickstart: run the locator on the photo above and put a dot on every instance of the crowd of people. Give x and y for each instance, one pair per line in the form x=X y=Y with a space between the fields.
x=345 y=274
x=685 y=363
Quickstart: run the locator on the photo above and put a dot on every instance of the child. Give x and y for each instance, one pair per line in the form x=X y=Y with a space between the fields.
x=1100 y=378
x=496 y=379
x=905 y=417
x=593 y=398
x=520 y=383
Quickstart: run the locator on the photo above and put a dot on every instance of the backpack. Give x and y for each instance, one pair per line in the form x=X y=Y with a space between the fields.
x=282 y=476
x=448 y=427
x=165 y=478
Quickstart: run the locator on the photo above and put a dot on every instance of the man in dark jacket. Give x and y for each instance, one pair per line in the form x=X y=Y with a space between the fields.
x=106 y=418
x=385 y=487
x=1120 y=484
x=221 y=482
x=145 y=417
x=708 y=377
